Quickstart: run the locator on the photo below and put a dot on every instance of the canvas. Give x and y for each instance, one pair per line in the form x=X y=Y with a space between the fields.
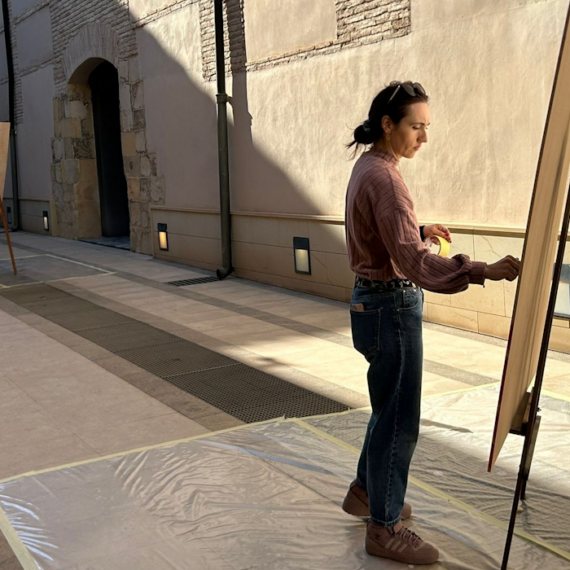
x=533 y=290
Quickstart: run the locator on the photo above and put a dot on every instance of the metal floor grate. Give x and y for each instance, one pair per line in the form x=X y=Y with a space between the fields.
x=197 y=281
x=237 y=389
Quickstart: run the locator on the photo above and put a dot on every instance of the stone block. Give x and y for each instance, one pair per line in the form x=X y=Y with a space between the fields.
x=145 y=166
x=57 y=172
x=145 y=217
x=140 y=141
x=135 y=214
x=88 y=170
x=125 y=97
x=71 y=128
x=134 y=188
x=124 y=70
x=138 y=95
x=134 y=73
x=58 y=192
x=132 y=166
x=145 y=242
x=87 y=191
x=145 y=189
x=128 y=141
x=89 y=217
x=57 y=109
x=70 y=171
x=139 y=121
x=68 y=193
x=57 y=149
x=153 y=166
x=126 y=121
x=77 y=110
x=84 y=148
x=57 y=129
x=87 y=126
x=141 y=240
x=68 y=151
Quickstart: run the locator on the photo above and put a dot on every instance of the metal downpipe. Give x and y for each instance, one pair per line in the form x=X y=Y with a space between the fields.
x=223 y=155
x=12 y=107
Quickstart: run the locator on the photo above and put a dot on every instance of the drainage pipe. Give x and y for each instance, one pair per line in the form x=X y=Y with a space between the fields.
x=12 y=106
x=223 y=160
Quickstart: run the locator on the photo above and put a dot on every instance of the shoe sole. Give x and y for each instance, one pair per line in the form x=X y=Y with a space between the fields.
x=375 y=550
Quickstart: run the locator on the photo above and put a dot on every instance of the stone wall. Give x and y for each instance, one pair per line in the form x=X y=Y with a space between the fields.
x=84 y=34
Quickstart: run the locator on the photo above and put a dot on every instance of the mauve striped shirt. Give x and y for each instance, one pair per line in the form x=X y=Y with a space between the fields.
x=383 y=235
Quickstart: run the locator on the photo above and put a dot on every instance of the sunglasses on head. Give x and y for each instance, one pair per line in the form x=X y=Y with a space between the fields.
x=412 y=89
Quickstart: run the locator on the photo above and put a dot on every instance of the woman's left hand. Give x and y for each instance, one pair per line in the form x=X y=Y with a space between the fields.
x=437 y=230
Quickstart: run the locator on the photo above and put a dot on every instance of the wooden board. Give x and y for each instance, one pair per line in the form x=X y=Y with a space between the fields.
x=4 y=143
x=533 y=290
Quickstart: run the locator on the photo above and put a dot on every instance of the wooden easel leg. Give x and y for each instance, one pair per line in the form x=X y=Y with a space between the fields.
x=8 y=240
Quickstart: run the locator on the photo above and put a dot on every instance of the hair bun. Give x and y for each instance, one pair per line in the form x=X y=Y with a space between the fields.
x=364 y=134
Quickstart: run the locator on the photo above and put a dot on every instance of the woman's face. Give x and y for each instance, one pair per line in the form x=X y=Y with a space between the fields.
x=407 y=137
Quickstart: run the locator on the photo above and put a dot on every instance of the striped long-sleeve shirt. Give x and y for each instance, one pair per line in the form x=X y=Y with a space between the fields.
x=383 y=236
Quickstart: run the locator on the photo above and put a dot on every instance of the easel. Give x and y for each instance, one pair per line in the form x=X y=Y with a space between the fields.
x=4 y=144
x=527 y=421
x=8 y=240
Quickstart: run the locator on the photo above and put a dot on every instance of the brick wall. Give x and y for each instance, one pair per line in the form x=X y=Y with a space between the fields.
x=68 y=16
x=359 y=22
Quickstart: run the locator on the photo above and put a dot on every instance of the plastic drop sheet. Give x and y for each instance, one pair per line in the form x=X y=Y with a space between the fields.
x=263 y=497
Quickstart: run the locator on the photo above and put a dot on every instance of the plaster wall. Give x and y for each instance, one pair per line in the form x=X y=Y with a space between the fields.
x=20 y=7
x=489 y=77
x=34 y=37
x=142 y=8
x=4 y=103
x=3 y=64
x=273 y=28
x=180 y=109
x=35 y=134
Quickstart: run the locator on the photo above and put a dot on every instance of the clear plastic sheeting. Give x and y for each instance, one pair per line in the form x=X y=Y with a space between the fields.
x=262 y=497
x=453 y=451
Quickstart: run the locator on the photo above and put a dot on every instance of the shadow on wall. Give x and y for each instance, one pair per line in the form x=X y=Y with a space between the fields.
x=181 y=123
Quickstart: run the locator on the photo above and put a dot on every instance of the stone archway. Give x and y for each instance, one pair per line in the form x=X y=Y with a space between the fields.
x=74 y=169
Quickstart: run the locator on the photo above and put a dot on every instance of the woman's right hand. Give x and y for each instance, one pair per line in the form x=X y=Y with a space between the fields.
x=507 y=268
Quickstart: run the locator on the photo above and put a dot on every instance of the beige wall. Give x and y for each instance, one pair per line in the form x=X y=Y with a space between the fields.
x=180 y=110
x=35 y=134
x=307 y=24
x=488 y=66
x=263 y=251
x=489 y=77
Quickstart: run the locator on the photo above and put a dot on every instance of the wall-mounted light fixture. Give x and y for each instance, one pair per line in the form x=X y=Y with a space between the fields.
x=163 y=237
x=46 y=221
x=302 y=255
x=9 y=215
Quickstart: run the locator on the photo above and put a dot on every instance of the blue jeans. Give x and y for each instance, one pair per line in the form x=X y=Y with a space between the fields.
x=387 y=330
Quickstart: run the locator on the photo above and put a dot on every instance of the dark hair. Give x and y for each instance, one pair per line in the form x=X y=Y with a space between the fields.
x=371 y=131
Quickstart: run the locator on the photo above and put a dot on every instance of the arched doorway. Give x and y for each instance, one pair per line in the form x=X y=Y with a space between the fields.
x=113 y=198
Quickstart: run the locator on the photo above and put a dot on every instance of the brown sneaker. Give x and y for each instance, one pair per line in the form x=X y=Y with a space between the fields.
x=356 y=503
x=401 y=545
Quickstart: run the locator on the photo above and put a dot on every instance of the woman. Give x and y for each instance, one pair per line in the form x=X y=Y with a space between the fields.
x=392 y=265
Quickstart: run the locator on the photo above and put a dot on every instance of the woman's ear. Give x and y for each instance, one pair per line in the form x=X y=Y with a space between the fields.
x=387 y=124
